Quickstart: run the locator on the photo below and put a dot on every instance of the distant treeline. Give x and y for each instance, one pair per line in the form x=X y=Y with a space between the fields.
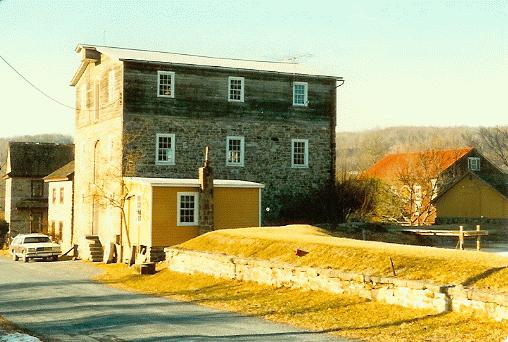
x=357 y=151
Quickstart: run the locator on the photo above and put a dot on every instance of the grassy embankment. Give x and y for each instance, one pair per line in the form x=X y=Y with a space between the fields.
x=343 y=315
x=440 y=266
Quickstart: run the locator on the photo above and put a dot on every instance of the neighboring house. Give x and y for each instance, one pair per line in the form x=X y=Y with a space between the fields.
x=26 y=195
x=60 y=205
x=420 y=177
x=471 y=198
x=151 y=114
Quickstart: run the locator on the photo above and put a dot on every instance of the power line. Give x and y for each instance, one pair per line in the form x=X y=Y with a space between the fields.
x=52 y=98
x=34 y=86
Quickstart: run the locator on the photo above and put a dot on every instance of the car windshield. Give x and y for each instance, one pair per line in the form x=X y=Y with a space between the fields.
x=37 y=239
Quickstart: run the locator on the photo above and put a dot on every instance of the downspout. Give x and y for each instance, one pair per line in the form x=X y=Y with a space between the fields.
x=333 y=150
x=72 y=212
x=333 y=137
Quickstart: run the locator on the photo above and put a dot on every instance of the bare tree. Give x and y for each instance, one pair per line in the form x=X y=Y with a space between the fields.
x=110 y=188
x=418 y=180
x=495 y=140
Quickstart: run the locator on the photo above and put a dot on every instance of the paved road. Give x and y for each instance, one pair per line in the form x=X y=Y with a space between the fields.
x=56 y=300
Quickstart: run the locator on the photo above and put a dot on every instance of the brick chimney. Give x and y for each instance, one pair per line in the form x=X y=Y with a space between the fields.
x=205 y=196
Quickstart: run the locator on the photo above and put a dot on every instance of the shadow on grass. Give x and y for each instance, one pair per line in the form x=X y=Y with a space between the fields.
x=472 y=280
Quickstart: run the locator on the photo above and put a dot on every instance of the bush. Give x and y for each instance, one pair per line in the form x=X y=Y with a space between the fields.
x=347 y=199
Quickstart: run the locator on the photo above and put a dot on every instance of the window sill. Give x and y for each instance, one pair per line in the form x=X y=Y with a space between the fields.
x=164 y=164
x=299 y=166
x=166 y=96
x=187 y=224
x=235 y=165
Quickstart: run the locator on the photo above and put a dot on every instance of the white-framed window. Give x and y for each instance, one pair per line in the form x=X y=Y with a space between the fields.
x=138 y=208
x=187 y=209
x=473 y=163
x=111 y=86
x=165 y=149
x=82 y=97
x=300 y=90
x=97 y=96
x=235 y=89
x=299 y=153
x=165 y=84
x=234 y=151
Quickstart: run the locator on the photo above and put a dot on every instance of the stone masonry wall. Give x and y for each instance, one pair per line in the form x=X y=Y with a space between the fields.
x=98 y=153
x=407 y=293
x=200 y=115
x=267 y=152
x=19 y=188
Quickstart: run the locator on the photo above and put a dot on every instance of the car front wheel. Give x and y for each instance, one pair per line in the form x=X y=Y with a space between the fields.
x=15 y=257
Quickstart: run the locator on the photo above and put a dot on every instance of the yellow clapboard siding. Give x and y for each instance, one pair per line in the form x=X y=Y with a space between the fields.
x=236 y=208
x=471 y=197
x=139 y=231
x=165 y=231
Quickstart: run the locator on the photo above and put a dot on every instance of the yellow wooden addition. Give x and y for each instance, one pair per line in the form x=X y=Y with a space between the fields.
x=153 y=209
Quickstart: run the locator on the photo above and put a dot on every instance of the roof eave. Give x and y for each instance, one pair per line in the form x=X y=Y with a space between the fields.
x=79 y=72
x=210 y=67
x=55 y=179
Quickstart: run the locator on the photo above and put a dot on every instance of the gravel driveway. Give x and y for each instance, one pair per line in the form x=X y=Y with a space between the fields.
x=56 y=300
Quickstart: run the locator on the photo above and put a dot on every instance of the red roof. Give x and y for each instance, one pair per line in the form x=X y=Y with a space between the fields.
x=435 y=162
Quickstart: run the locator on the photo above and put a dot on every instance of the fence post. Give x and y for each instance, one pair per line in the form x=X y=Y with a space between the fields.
x=478 y=237
x=461 y=237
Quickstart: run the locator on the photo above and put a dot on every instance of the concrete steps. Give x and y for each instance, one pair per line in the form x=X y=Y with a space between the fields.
x=96 y=252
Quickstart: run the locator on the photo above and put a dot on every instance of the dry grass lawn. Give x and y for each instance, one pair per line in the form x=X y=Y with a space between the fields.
x=347 y=316
x=441 y=266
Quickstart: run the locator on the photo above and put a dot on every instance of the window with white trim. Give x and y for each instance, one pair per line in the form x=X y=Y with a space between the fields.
x=165 y=149
x=96 y=95
x=82 y=94
x=300 y=90
x=299 y=153
x=187 y=209
x=473 y=163
x=165 y=84
x=235 y=89
x=111 y=86
x=234 y=151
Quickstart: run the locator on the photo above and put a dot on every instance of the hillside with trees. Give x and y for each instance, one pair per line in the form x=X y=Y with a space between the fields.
x=357 y=151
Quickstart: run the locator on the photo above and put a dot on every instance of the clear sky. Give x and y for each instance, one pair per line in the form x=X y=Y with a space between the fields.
x=442 y=63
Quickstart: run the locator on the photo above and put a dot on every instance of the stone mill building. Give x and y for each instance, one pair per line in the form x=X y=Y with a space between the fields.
x=151 y=114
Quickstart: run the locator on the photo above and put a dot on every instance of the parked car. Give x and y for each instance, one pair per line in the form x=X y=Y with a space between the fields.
x=34 y=246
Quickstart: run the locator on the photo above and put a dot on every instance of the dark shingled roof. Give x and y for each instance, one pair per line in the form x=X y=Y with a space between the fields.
x=62 y=173
x=28 y=159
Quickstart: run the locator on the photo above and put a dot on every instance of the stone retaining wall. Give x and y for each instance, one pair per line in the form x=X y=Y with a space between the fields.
x=407 y=293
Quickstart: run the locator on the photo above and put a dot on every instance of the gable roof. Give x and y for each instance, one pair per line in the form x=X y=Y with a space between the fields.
x=127 y=54
x=456 y=181
x=29 y=159
x=390 y=166
x=62 y=174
